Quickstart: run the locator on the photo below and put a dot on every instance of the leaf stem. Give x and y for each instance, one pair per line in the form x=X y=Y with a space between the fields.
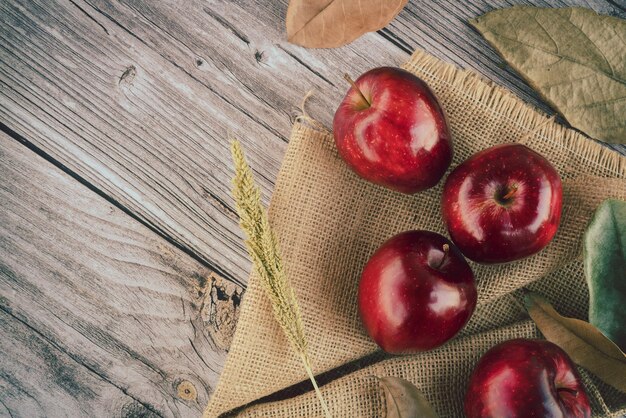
x=307 y=367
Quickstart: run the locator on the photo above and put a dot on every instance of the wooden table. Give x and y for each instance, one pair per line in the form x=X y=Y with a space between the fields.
x=121 y=264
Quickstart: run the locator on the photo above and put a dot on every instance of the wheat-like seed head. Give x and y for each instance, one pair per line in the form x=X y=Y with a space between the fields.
x=263 y=248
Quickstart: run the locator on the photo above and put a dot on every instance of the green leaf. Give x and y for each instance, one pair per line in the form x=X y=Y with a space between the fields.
x=604 y=250
x=404 y=400
x=573 y=57
x=583 y=342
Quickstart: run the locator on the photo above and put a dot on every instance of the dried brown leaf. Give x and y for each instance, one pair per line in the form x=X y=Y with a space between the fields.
x=573 y=57
x=583 y=342
x=404 y=400
x=332 y=23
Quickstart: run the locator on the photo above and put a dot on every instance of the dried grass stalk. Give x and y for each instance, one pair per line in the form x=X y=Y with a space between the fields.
x=263 y=248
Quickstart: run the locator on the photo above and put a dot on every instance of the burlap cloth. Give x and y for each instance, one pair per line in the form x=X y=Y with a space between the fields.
x=329 y=222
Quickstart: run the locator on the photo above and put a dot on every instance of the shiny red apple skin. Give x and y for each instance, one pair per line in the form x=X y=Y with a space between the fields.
x=407 y=301
x=401 y=141
x=526 y=379
x=488 y=228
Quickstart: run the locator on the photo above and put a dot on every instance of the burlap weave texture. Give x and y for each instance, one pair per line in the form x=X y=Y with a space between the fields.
x=329 y=222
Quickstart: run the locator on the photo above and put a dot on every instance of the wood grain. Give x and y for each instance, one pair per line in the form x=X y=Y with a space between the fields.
x=138 y=98
x=99 y=316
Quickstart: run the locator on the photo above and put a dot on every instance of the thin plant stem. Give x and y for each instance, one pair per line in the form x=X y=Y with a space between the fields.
x=307 y=367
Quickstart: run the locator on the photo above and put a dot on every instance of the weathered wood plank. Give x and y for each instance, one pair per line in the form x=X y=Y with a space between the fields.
x=44 y=381
x=99 y=316
x=442 y=29
x=142 y=138
x=137 y=97
x=244 y=53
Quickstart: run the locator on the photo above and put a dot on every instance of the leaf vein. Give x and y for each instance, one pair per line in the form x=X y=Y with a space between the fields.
x=567 y=58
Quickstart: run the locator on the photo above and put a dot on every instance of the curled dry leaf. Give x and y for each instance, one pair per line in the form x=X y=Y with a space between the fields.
x=332 y=23
x=587 y=346
x=573 y=57
x=404 y=400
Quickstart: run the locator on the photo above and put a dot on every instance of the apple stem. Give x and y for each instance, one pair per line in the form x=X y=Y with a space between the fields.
x=353 y=84
x=446 y=249
x=510 y=193
x=572 y=392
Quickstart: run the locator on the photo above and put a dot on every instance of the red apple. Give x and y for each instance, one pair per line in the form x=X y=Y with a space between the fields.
x=391 y=131
x=526 y=378
x=502 y=204
x=416 y=292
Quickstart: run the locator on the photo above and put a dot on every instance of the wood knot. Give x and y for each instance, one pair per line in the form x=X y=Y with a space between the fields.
x=201 y=64
x=187 y=391
x=220 y=309
x=258 y=56
x=128 y=75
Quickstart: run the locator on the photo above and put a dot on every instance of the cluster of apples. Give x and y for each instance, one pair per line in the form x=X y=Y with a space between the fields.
x=417 y=290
